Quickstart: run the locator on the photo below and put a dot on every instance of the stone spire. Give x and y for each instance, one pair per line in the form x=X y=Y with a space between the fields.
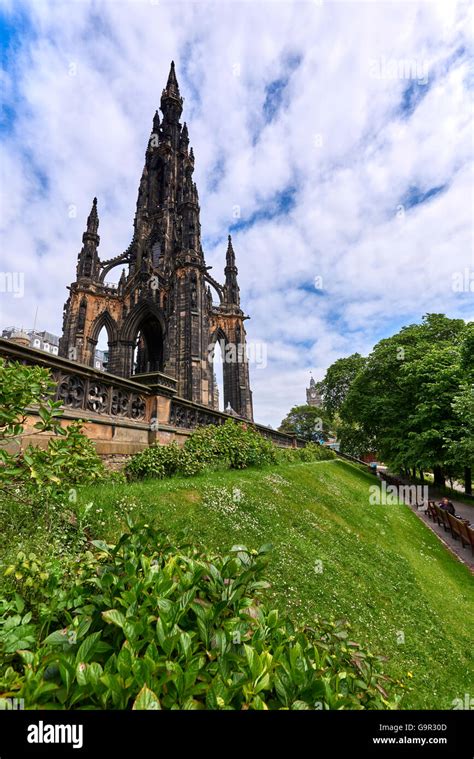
x=92 y=223
x=231 y=271
x=88 y=259
x=174 y=322
x=184 y=139
x=171 y=100
x=156 y=122
x=172 y=86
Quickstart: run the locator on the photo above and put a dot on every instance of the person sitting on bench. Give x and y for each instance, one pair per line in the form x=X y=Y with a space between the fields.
x=446 y=505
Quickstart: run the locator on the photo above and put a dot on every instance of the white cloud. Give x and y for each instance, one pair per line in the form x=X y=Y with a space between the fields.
x=86 y=78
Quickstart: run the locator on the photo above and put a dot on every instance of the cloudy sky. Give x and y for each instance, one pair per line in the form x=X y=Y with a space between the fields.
x=333 y=139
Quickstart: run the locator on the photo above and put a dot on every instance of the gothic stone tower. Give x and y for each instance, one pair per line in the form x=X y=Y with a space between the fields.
x=161 y=317
x=313 y=397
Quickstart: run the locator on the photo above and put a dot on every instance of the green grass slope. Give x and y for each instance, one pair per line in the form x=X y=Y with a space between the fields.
x=334 y=554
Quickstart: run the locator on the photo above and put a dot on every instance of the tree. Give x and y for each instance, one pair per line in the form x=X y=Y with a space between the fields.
x=403 y=396
x=339 y=377
x=307 y=422
x=460 y=438
x=354 y=441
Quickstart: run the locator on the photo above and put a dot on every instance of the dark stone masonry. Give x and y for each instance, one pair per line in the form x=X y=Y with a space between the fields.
x=160 y=317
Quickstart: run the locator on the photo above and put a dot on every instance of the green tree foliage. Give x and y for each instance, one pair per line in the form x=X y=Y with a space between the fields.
x=339 y=377
x=147 y=624
x=412 y=397
x=353 y=440
x=307 y=422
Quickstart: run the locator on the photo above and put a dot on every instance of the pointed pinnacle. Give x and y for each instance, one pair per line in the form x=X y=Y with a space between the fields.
x=172 y=83
x=230 y=255
x=93 y=219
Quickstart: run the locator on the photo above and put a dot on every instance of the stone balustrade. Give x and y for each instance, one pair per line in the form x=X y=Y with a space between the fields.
x=125 y=415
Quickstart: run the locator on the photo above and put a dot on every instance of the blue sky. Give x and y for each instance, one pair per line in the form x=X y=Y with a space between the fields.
x=332 y=139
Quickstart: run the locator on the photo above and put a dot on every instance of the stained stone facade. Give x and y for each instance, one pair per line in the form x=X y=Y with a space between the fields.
x=161 y=316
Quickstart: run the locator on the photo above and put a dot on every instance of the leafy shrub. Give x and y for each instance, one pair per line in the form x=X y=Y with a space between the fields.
x=68 y=460
x=231 y=444
x=156 y=461
x=315 y=452
x=311 y=452
x=148 y=625
x=39 y=475
x=162 y=461
x=235 y=444
x=204 y=445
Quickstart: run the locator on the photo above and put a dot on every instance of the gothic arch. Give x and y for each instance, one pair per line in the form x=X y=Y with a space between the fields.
x=137 y=315
x=104 y=320
x=144 y=331
x=219 y=334
x=110 y=266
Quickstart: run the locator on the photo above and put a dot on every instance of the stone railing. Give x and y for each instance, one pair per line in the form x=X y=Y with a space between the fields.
x=187 y=415
x=353 y=459
x=148 y=400
x=101 y=397
x=157 y=382
x=280 y=438
x=82 y=388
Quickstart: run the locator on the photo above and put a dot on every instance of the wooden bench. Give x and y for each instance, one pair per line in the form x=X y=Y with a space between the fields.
x=431 y=511
x=442 y=516
x=470 y=535
x=459 y=529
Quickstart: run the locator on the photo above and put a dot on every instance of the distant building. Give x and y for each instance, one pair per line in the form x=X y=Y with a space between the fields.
x=313 y=396
x=101 y=359
x=42 y=341
x=19 y=336
x=47 y=342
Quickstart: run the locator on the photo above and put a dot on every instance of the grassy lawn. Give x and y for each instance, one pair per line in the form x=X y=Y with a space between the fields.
x=334 y=555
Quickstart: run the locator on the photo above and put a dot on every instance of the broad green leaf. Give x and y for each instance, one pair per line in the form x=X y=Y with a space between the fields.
x=146 y=700
x=114 y=617
x=87 y=647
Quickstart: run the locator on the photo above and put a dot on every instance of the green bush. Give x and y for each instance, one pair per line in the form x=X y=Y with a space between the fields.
x=148 y=625
x=203 y=445
x=233 y=444
x=163 y=461
x=39 y=475
x=315 y=452
x=311 y=452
